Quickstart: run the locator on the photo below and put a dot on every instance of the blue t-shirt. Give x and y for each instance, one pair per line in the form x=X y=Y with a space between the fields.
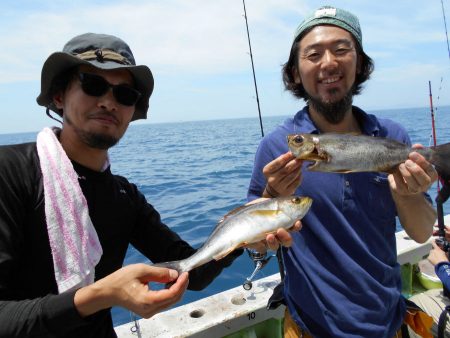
x=341 y=271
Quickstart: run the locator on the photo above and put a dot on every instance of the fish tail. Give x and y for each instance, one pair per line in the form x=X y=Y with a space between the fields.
x=174 y=265
x=441 y=159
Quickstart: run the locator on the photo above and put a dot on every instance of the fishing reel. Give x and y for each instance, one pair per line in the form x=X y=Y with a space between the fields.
x=443 y=244
x=260 y=260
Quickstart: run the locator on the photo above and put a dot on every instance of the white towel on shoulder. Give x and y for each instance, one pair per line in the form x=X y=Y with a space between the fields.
x=74 y=243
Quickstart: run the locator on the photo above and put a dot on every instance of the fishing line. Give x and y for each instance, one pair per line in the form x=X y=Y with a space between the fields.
x=253 y=69
x=279 y=253
x=445 y=25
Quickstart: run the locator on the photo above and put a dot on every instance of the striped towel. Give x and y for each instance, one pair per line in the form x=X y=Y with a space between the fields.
x=74 y=243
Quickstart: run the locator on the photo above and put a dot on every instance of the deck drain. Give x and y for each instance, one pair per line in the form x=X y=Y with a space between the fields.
x=238 y=300
x=197 y=313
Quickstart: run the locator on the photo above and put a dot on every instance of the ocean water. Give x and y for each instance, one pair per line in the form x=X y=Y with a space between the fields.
x=195 y=172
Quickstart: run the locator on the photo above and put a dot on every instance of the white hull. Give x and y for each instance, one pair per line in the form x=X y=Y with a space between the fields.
x=237 y=310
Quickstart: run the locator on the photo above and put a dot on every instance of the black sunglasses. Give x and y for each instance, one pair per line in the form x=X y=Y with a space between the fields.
x=95 y=85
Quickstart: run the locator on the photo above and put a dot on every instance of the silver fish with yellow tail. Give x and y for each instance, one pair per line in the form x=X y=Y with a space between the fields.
x=245 y=225
x=347 y=153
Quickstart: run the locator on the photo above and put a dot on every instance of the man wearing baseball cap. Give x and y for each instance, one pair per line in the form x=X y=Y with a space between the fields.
x=342 y=277
x=66 y=220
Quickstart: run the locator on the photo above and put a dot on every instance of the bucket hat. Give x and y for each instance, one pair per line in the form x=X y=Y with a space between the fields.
x=103 y=52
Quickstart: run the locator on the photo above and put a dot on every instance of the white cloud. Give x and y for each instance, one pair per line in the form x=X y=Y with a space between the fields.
x=201 y=46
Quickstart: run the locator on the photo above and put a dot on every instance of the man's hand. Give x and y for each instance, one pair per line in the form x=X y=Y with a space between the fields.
x=437 y=255
x=414 y=176
x=446 y=232
x=408 y=183
x=283 y=175
x=128 y=287
x=273 y=241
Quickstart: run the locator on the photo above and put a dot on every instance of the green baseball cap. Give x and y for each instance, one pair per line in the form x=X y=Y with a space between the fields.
x=329 y=15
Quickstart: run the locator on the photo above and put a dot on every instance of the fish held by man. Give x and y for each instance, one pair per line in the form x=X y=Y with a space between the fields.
x=245 y=225
x=347 y=153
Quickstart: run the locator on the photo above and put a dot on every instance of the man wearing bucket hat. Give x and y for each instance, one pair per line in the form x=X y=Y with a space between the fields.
x=66 y=221
x=342 y=278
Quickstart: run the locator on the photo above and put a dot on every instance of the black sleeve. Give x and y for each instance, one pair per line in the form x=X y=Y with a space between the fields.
x=27 y=305
x=159 y=243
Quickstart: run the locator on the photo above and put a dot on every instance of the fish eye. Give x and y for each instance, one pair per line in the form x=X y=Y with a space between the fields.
x=296 y=200
x=298 y=139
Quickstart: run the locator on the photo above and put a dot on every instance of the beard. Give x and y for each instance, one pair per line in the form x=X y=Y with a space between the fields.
x=333 y=112
x=93 y=140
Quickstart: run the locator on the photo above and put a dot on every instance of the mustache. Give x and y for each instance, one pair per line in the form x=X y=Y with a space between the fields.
x=105 y=115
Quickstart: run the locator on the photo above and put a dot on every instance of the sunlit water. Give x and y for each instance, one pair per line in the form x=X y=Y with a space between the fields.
x=195 y=172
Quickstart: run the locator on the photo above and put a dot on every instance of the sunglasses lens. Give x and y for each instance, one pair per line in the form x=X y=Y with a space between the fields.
x=126 y=95
x=95 y=85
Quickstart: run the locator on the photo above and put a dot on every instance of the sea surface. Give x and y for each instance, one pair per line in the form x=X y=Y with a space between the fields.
x=193 y=173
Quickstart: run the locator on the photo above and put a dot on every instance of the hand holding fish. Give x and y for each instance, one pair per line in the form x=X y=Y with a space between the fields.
x=283 y=176
x=408 y=182
x=274 y=240
x=281 y=237
x=414 y=176
x=128 y=287
x=410 y=170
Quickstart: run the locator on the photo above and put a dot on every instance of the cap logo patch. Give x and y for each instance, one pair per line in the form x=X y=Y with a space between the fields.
x=325 y=12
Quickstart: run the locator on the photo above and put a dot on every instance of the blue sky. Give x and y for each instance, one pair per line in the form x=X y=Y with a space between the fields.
x=198 y=53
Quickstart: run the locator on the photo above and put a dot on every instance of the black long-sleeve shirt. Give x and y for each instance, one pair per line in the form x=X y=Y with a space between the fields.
x=30 y=305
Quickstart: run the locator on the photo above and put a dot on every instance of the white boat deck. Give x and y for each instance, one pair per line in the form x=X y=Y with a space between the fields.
x=214 y=316
x=235 y=309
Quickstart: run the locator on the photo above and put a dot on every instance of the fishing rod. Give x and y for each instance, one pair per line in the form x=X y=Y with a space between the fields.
x=260 y=260
x=439 y=202
x=253 y=69
x=445 y=25
x=433 y=126
x=442 y=194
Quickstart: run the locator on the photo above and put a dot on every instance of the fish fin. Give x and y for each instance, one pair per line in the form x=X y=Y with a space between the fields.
x=351 y=133
x=225 y=253
x=231 y=213
x=441 y=159
x=238 y=209
x=174 y=265
x=265 y=212
x=344 y=171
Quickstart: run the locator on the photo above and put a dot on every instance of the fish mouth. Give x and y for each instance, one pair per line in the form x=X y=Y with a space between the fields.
x=306 y=148
x=314 y=156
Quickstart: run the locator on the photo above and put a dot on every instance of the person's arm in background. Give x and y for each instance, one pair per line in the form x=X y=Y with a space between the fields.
x=439 y=259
